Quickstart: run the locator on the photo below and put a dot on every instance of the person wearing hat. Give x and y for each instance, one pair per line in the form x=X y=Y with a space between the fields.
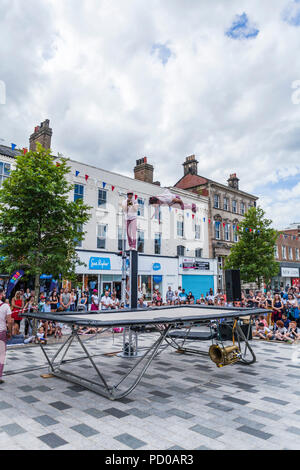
x=6 y=323
x=130 y=208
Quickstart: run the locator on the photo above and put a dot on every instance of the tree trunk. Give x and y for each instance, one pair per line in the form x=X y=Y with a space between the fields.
x=37 y=296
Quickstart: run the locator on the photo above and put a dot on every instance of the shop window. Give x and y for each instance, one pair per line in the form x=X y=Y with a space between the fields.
x=101 y=236
x=78 y=191
x=102 y=198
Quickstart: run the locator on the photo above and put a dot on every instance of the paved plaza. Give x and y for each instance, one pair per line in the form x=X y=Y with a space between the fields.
x=183 y=402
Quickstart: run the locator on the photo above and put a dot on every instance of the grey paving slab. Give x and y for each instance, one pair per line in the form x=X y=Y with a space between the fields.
x=183 y=402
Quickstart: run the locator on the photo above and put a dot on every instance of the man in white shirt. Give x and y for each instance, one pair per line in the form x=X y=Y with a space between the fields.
x=130 y=208
x=106 y=301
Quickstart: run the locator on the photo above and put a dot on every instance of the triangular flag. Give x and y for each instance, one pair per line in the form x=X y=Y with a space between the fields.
x=103 y=184
x=209 y=221
x=193 y=216
x=135 y=197
x=13 y=146
x=77 y=173
x=187 y=214
x=113 y=188
x=57 y=164
x=86 y=177
x=203 y=219
x=25 y=151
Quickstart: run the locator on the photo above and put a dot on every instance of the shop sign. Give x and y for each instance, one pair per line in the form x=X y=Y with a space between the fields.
x=289 y=272
x=157 y=279
x=196 y=265
x=156 y=267
x=101 y=264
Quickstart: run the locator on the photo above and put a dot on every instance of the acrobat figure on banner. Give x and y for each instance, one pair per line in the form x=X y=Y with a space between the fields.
x=130 y=208
x=169 y=199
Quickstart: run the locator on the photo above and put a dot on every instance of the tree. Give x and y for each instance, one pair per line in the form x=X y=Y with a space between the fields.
x=39 y=226
x=254 y=254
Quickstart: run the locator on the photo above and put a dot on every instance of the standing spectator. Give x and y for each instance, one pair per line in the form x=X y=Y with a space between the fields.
x=17 y=306
x=277 y=307
x=27 y=295
x=95 y=300
x=115 y=301
x=73 y=300
x=82 y=304
x=182 y=296
x=54 y=301
x=5 y=324
x=141 y=303
x=65 y=300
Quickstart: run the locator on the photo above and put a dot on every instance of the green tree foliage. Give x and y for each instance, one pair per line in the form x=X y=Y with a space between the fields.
x=38 y=222
x=254 y=254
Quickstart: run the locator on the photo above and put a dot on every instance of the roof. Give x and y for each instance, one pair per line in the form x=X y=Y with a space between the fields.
x=8 y=152
x=190 y=181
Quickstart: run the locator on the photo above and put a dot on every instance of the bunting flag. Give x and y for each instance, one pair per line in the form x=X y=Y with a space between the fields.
x=203 y=219
x=13 y=146
x=86 y=177
x=113 y=188
x=136 y=196
x=25 y=151
x=103 y=185
x=57 y=164
x=187 y=214
x=193 y=216
x=77 y=173
x=209 y=221
x=224 y=224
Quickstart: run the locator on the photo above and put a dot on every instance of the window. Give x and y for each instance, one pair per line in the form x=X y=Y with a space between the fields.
x=284 y=252
x=217 y=230
x=235 y=235
x=180 y=228
x=102 y=198
x=242 y=208
x=276 y=251
x=290 y=252
x=141 y=207
x=197 y=232
x=216 y=201
x=225 y=204
x=79 y=230
x=157 y=243
x=180 y=250
x=4 y=171
x=101 y=236
x=140 y=241
x=227 y=232
x=234 y=206
x=198 y=253
x=120 y=238
x=157 y=213
x=297 y=254
x=78 y=191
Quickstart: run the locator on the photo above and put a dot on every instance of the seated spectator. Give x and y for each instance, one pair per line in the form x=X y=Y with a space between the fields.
x=280 y=331
x=261 y=319
x=263 y=332
x=293 y=333
x=285 y=320
x=141 y=303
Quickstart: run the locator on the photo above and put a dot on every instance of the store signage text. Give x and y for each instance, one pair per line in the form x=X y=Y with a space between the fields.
x=102 y=264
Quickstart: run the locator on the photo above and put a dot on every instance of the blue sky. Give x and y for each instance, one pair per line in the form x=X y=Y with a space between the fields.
x=242 y=28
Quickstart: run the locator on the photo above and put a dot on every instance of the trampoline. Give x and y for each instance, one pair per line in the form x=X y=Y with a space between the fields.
x=167 y=321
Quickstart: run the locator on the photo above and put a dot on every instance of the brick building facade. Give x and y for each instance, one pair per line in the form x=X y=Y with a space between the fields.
x=287 y=253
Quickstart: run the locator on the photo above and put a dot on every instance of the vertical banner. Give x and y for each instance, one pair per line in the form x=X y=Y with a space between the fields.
x=16 y=276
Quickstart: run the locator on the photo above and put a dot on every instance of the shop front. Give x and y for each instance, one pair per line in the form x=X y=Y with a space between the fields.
x=288 y=277
x=198 y=275
x=103 y=271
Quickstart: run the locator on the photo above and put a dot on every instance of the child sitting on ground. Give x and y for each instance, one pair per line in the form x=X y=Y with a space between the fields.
x=280 y=331
x=40 y=336
x=262 y=331
x=293 y=333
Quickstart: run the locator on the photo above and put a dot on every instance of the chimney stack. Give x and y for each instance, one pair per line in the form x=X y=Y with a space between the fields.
x=143 y=171
x=41 y=134
x=233 y=181
x=190 y=165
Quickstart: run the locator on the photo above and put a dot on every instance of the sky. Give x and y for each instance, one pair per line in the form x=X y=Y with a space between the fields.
x=124 y=79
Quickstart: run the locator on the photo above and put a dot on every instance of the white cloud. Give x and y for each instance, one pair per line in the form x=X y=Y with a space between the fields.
x=98 y=70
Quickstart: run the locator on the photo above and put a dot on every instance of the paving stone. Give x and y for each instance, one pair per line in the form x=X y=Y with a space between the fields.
x=275 y=400
x=13 y=429
x=206 y=431
x=46 y=420
x=85 y=430
x=95 y=413
x=115 y=412
x=59 y=405
x=29 y=399
x=53 y=440
x=235 y=400
x=4 y=405
x=130 y=441
x=255 y=432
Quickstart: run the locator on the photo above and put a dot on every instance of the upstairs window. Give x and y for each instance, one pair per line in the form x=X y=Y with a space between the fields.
x=78 y=192
x=102 y=198
x=4 y=171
